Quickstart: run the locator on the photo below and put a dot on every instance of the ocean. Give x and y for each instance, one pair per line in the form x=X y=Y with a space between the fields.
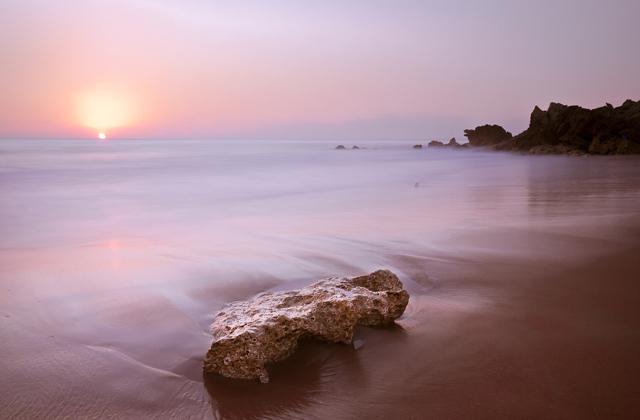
x=115 y=256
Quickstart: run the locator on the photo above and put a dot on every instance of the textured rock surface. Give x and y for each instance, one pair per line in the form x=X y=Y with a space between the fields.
x=563 y=129
x=249 y=334
x=576 y=130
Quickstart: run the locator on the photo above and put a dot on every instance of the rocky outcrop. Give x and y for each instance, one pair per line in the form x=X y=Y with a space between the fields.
x=354 y=147
x=572 y=129
x=250 y=334
x=563 y=129
x=453 y=144
x=417 y=146
x=487 y=136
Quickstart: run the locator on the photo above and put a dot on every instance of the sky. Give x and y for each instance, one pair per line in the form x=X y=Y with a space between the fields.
x=306 y=70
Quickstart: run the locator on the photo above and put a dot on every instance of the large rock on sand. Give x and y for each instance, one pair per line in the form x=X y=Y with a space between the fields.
x=249 y=334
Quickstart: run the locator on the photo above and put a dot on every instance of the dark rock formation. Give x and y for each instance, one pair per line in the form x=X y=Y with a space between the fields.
x=417 y=146
x=247 y=335
x=342 y=147
x=453 y=144
x=563 y=129
x=487 y=136
x=572 y=129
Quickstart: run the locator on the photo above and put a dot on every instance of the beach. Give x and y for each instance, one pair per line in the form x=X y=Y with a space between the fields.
x=115 y=257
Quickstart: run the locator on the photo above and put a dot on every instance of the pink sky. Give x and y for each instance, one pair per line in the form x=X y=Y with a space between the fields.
x=306 y=70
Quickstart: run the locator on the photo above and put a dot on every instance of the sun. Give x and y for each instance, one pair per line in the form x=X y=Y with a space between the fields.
x=104 y=109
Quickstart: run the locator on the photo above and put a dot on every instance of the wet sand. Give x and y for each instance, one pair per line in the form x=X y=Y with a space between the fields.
x=526 y=334
x=489 y=338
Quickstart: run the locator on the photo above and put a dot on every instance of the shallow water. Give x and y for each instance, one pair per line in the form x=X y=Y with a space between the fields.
x=115 y=255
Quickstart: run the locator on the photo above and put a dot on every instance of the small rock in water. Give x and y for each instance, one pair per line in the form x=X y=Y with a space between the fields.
x=248 y=335
x=357 y=344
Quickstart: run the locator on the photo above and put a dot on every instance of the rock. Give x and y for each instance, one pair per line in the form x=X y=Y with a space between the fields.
x=573 y=130
x=340 y=147
x=576 y=130
x=453 y=143
x=267 y=328
x=487 y=135
x=554 y=150
x=417 y=146
x=613 y=146
x=355 y=148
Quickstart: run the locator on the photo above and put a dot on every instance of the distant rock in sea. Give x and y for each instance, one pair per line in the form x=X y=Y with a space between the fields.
x=563 y=129
x=355 y=148
x=417 y=146
x=487 y=135
x=248 y=335
x=453 y=144
x=340 y=147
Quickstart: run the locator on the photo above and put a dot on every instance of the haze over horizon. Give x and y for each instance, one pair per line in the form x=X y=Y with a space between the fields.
x=357 y=70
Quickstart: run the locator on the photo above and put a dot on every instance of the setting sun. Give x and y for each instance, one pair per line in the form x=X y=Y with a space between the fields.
x=102 y=135
x=105 y=109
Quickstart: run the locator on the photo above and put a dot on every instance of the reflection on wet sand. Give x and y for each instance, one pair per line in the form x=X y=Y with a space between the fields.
x=295 y=384
x=308 y=378
x=561 y=187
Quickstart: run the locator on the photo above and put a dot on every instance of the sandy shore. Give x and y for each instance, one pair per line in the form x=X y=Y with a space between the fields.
x=510 y=332
x=489 y=337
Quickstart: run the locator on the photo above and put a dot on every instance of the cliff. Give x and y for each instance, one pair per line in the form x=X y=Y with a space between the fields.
x=563 y=129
